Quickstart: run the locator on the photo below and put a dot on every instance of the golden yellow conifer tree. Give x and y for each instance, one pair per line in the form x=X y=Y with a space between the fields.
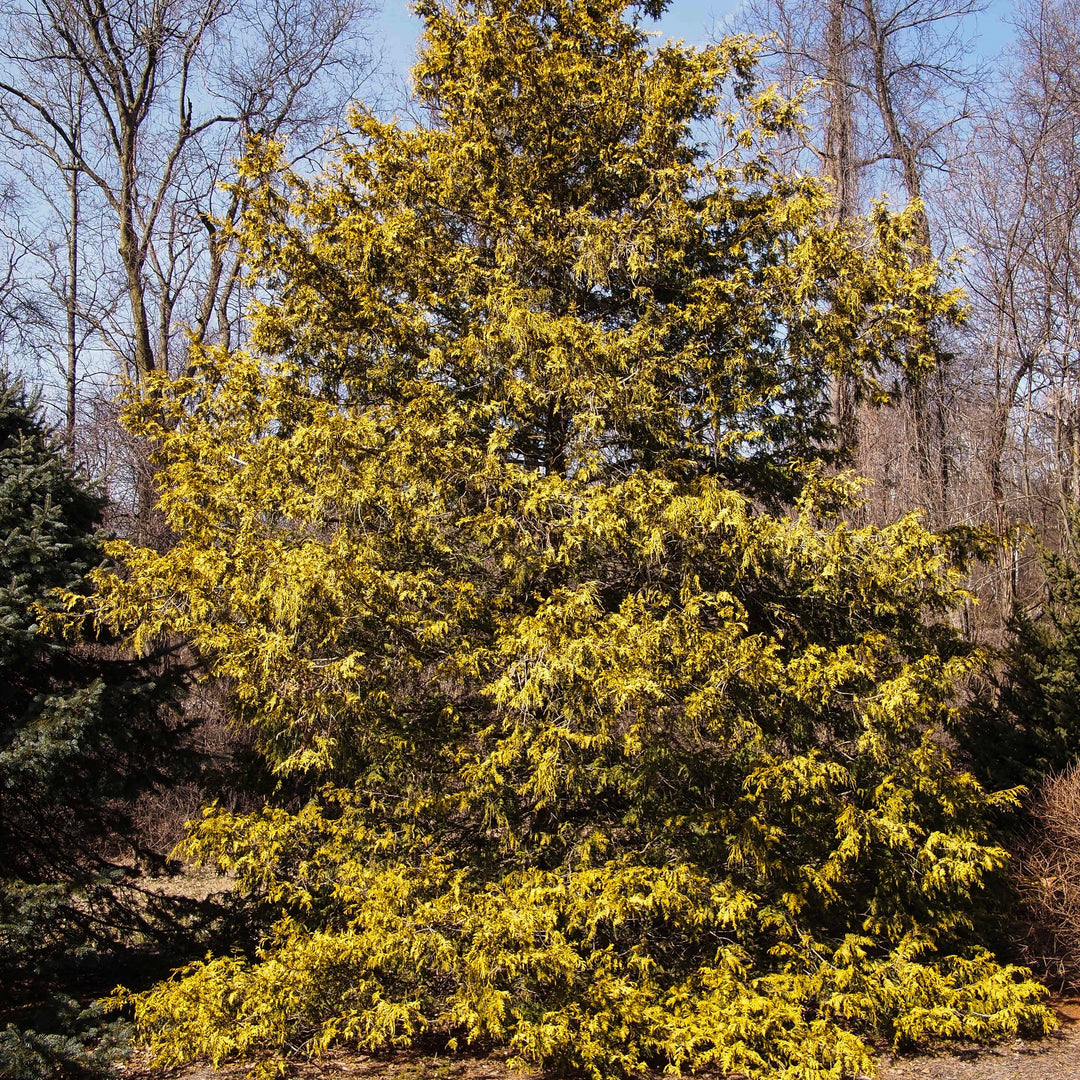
x=512 y=529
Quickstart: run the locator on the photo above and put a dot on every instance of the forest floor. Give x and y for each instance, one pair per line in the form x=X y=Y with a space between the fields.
x=1057 y=1057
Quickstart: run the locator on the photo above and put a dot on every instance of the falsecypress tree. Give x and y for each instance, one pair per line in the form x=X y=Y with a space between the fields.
x=512 y=527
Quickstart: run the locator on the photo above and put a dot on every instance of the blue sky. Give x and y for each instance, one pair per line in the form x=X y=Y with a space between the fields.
x=397 y=29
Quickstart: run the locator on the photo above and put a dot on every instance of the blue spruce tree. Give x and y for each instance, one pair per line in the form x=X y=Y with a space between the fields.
x=82 y=730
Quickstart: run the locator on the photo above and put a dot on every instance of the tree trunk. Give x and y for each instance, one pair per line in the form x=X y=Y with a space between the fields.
x=71 y=303
x=902 y=149
x=927 y=409
x=839 y=167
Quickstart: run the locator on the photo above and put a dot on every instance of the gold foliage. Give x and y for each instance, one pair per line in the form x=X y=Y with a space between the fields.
x=513 y=527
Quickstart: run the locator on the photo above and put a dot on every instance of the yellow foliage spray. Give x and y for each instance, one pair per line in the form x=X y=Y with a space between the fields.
x=515 y=526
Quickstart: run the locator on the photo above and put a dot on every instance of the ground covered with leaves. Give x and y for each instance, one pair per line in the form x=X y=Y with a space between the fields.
x=1056 y=1057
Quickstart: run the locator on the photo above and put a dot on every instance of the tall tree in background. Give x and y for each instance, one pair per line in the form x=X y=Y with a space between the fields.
x=126 y=118
x=838 y=165
x=883 y=84
x=887 y=83
x=60 y=269
x=512 y=529
x=1015 y=207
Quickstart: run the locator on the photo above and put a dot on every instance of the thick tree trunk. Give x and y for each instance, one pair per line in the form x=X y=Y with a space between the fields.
x=839 y=163
x=929 y=423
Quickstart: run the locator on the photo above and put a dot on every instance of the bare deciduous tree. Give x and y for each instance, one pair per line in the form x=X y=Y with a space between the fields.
x=1015 y=208
x=884 y=81
x=127 y=116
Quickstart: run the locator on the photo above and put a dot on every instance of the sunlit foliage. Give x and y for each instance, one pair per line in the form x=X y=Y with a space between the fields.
x=512 y=529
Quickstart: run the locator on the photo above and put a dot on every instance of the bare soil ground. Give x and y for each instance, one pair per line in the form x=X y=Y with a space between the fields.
x=1056 y=1057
